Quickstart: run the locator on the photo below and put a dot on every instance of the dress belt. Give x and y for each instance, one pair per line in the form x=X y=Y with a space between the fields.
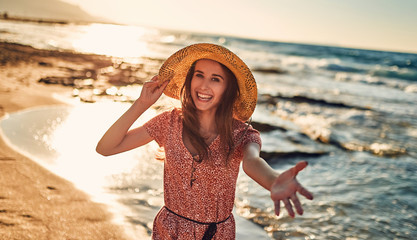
x=211 y=230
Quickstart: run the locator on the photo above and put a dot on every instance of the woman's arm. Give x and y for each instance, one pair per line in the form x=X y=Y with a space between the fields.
x=283 y=187
x=257 y=168
x=118 y=137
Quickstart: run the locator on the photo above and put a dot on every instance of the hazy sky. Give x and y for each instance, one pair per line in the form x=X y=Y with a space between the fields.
x=372 y=24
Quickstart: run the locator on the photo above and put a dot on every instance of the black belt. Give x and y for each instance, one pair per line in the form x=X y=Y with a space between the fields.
x=211 y=230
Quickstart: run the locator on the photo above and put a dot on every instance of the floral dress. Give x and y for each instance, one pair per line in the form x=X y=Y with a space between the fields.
x=210 y=197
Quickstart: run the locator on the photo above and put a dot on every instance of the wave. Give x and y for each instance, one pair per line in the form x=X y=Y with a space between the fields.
x=341 y=68
x=401 y=73
x=336 y=125
x=272 y=70
x=378 y=149
x=269 y=99
x=300 y=145
x=404 y=74
x=373 y=57
x=265 y=127
x=273 y=157
x=279 y=143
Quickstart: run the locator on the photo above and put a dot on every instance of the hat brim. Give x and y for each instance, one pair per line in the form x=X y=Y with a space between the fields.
x=176 y=67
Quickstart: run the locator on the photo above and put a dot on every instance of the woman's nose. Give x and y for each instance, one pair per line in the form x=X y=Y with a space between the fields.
x=205 y=83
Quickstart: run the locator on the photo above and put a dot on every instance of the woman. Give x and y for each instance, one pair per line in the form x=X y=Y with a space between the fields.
x=204 y=141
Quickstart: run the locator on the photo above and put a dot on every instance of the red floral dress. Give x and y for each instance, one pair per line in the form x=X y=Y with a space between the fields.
x=211 y=196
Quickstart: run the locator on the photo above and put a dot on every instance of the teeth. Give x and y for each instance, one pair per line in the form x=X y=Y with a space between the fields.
x=203 y=96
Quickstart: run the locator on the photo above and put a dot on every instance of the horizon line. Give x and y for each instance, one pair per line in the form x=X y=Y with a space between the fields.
x=46 y=20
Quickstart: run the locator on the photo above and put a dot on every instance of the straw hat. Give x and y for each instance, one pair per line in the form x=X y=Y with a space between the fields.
x=176 y=67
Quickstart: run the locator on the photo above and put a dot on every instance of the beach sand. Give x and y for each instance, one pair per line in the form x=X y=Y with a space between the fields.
x=35 y=203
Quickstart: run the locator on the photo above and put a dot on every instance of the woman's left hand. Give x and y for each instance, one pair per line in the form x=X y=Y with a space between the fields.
x=285 y=188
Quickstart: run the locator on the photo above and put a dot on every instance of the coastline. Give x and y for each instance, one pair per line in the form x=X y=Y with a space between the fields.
x=35 y=203
x=350 y=114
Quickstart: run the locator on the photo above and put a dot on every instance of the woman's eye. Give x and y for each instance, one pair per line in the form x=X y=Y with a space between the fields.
x=215 y=79
x=199 y=75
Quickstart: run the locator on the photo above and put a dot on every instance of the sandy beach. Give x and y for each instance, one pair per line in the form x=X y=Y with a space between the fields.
x=35 y=203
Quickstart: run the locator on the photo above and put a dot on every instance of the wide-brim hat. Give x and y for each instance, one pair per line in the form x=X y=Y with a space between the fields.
x=176 y=67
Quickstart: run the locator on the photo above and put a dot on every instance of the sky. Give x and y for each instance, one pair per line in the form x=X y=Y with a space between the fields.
x=371 y=24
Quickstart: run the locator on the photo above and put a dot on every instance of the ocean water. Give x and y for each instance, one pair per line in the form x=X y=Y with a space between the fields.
x=351 y=113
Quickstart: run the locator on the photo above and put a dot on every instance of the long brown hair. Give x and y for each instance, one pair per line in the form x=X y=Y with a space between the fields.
x=224 y=115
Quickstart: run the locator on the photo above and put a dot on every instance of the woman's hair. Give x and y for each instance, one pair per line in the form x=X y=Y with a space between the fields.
x=224 y=115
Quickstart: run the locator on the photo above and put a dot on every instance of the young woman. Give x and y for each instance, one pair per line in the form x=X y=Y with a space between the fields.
x=204 y=142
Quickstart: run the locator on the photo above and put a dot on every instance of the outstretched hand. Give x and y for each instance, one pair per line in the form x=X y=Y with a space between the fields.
x=285 y=188
x=152 y=90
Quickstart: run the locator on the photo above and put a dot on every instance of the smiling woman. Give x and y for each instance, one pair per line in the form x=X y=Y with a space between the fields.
x=205 y=141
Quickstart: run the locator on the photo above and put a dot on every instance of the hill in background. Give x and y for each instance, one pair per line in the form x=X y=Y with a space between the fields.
x=47 y=9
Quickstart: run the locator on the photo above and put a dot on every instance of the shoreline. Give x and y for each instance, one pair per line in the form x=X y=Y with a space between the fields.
x=34 y=202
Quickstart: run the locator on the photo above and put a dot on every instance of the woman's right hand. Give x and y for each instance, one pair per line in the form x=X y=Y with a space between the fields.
x=151 y=91
x=119 y=137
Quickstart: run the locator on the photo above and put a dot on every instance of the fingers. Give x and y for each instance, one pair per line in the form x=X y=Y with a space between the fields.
x=164 y=85
x=305 y=193
x=277 y=207
x=286 y=192
x=155 y=79
x=155 y=85
x=288 y=206
x=297 y=204
x=298 y=167
x=153 y=82
x=150 y=83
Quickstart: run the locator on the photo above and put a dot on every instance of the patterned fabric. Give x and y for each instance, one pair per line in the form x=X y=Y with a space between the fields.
x=211 y=197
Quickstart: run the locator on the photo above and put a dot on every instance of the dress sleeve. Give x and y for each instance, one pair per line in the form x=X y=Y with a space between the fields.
x=158 y=128
x=244 y=135
x=252 y=136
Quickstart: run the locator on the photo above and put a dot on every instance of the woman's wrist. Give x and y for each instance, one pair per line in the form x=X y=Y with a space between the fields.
x=141 y=105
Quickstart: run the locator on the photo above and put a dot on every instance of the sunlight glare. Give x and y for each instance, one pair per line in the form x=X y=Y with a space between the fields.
x=113 y=40
x=75 y=141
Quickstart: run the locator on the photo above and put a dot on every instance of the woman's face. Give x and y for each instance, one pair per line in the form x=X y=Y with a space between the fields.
x=208 y=85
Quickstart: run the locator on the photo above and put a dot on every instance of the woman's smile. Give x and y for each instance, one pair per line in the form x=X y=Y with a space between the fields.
x=204 y=97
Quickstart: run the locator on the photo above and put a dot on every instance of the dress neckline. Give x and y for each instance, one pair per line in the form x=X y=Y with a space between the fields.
x=185 y=147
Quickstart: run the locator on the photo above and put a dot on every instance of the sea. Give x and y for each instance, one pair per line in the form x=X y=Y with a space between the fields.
x=351 y=113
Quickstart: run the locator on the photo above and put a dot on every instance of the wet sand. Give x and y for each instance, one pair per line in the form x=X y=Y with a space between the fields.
x=35 y=203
